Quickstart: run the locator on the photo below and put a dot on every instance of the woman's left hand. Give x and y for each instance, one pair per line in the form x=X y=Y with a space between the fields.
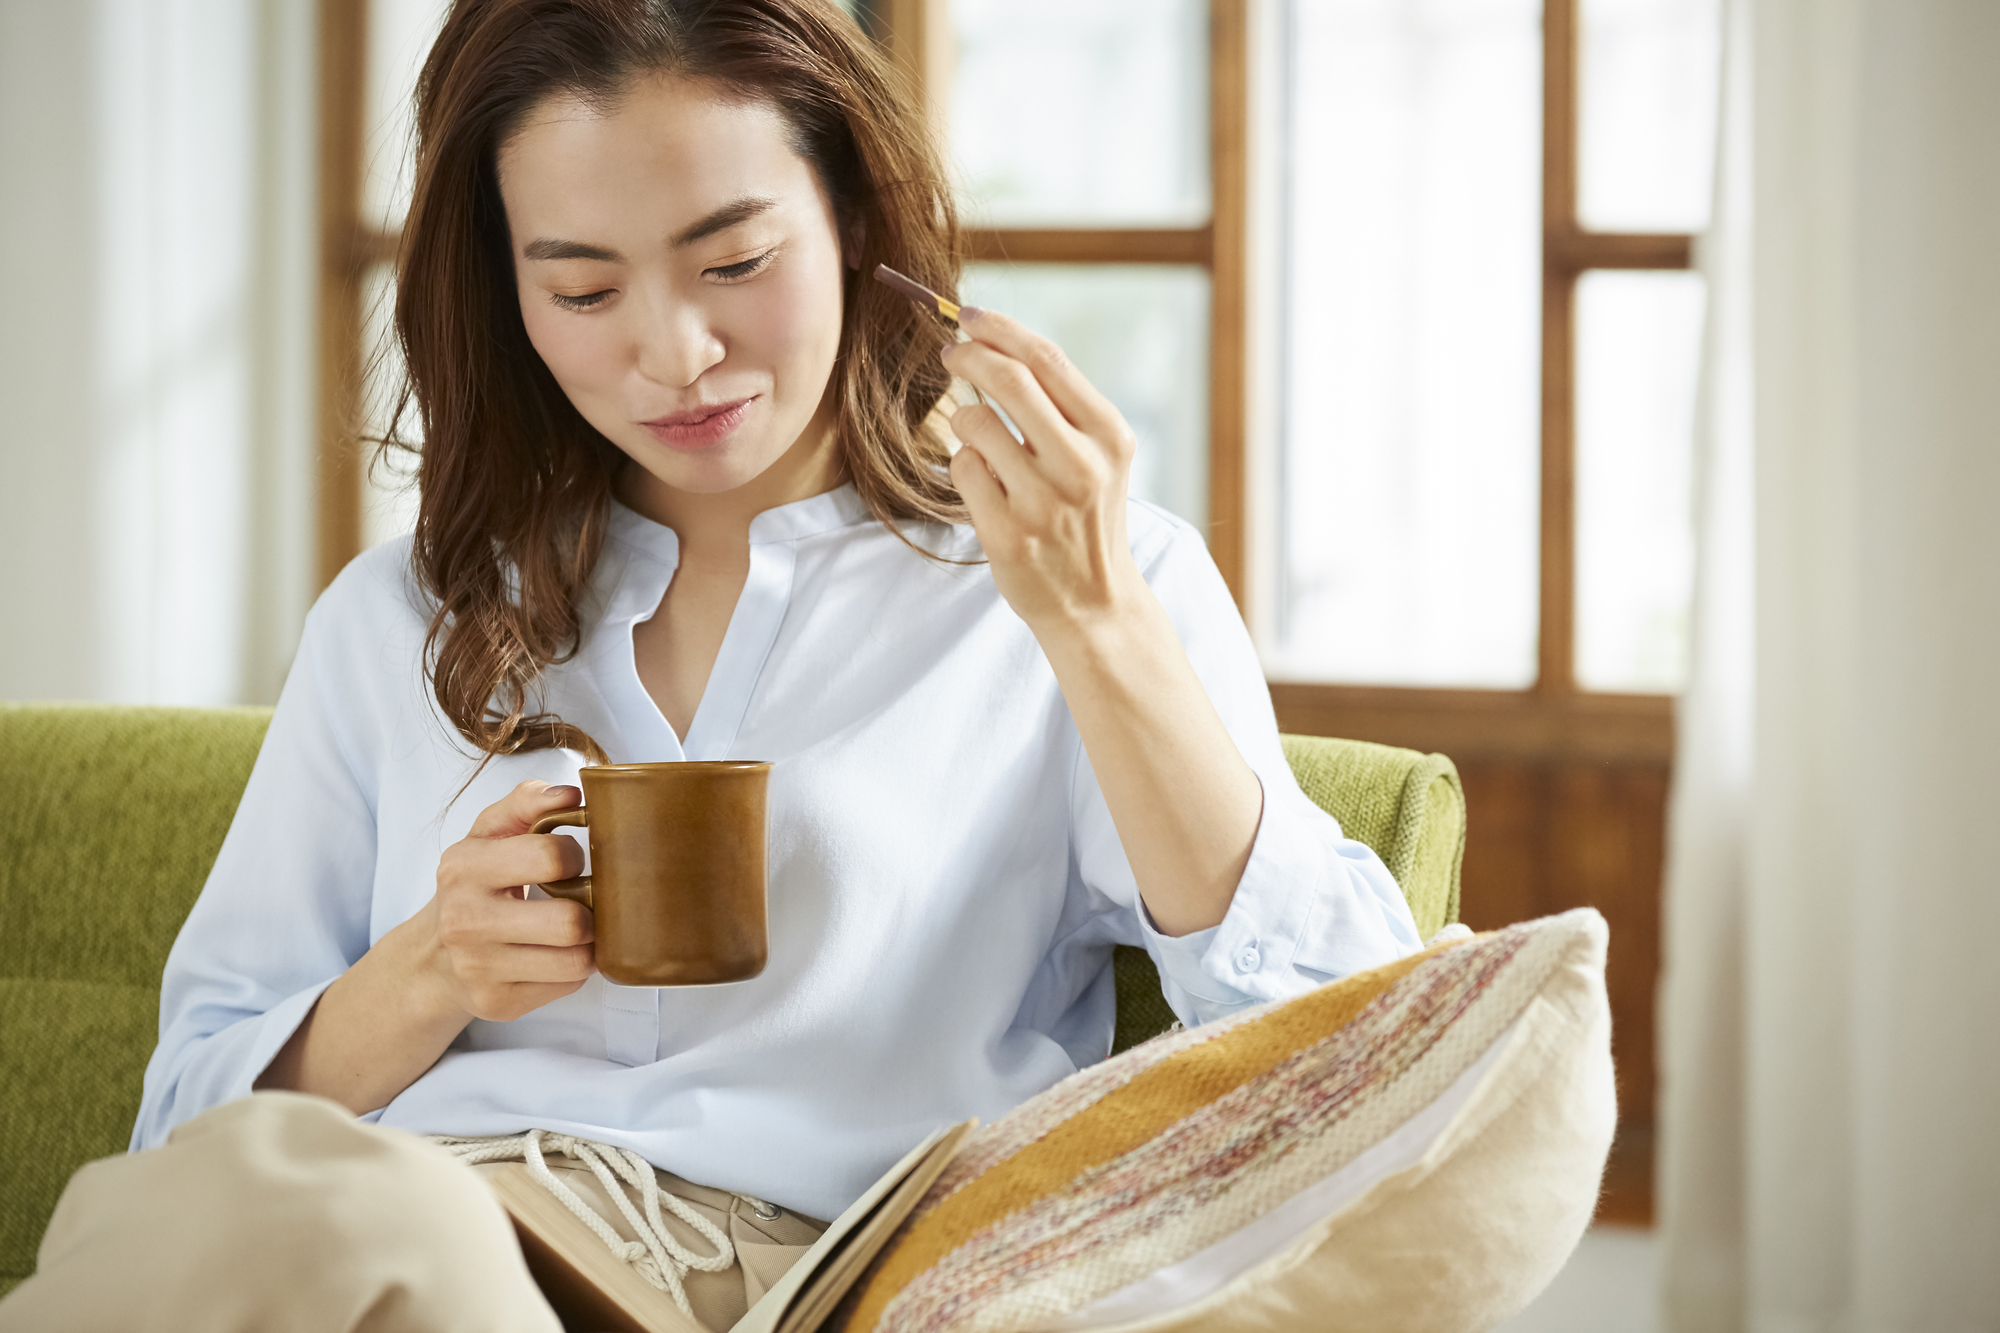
x=1049 y=508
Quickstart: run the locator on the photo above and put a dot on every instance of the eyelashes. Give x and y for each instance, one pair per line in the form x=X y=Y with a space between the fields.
x=738 y=272
x=726 y=274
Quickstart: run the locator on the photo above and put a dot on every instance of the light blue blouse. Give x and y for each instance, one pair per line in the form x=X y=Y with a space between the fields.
x=946 y=884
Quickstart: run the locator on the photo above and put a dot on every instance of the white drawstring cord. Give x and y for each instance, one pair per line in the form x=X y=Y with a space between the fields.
x=656 y=1255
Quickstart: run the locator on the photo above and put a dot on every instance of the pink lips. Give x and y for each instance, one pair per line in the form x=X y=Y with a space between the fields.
x=699 y=427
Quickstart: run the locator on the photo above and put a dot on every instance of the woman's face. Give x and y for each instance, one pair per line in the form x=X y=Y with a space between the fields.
x=680 y=271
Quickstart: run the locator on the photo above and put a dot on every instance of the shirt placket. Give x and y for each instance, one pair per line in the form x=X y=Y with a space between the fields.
x=632 y=1013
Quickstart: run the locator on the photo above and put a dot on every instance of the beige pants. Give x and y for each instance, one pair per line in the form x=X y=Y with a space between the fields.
x=283 y=1214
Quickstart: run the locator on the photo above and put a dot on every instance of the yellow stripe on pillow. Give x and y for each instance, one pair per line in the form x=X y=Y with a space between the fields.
x=1127 y=1118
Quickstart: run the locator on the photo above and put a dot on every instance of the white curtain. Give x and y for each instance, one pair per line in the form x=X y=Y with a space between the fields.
x=158 y=259
x=1831 y=1014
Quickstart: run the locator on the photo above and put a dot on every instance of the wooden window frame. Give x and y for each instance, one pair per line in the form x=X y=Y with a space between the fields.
x=1553 y=719
x=343 y=251
x=917 y=35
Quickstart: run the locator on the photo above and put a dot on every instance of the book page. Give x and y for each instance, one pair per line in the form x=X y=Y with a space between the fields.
x=807 y=1294
x=591 y=1288
x=587 y=1285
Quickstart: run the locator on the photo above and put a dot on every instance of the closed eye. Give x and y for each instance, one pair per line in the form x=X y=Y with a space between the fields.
x=738 y=272
x=584 y=302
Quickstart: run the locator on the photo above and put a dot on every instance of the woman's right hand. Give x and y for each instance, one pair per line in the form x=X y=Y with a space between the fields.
x=477 y=950
x=493 y=953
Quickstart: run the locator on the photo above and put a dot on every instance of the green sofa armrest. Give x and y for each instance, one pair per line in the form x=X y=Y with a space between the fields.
x=111 y=818
x=1406 y=805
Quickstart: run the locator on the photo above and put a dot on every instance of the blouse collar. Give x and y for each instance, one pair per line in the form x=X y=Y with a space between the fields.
x=841 y=507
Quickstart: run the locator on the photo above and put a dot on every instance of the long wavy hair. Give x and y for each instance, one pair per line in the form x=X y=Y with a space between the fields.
x=513 y=484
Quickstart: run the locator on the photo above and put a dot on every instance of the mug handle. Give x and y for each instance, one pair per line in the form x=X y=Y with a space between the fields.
x=576 y=888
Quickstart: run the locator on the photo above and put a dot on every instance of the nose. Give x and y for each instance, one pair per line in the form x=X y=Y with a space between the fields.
x=676 y=342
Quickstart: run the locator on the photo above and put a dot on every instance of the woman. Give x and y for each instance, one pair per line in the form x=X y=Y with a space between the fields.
x=685 y=493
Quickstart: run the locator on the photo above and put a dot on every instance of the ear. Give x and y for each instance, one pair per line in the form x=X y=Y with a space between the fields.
x=853 y=236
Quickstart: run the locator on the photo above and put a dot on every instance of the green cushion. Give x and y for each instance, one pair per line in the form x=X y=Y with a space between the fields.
x=72 y=1056
x=1406 y=805
x=112 y=819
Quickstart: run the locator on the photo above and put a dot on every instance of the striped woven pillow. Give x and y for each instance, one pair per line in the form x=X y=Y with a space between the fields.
x=1416 y=1147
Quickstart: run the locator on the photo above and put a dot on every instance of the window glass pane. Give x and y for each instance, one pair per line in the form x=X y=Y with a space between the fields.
x=1140 y=333
x=1081 y=112
x=1410 y=463
x=1638 y=341
x=1647 y=104
x=388 y=487
x=400 y=33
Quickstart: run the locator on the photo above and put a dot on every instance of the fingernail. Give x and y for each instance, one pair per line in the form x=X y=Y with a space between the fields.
x=949 y=348
x=967 y=313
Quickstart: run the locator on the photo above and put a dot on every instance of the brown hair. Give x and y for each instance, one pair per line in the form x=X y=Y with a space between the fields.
x=513 y=483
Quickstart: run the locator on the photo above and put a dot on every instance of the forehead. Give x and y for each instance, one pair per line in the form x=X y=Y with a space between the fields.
x=664 y=154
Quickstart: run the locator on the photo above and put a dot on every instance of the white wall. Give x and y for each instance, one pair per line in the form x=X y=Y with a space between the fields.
x=156 y=283
x=48 y=297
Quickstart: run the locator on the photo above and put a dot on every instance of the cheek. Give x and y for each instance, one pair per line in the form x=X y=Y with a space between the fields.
x=797 y=318
x=578 y=352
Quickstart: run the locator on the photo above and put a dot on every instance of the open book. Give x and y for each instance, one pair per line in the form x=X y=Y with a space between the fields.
x=593 y=1289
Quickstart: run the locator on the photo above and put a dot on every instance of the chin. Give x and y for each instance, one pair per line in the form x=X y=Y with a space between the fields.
x=709 y=471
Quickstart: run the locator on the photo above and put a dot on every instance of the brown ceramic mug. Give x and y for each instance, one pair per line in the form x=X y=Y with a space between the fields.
x=676 y=870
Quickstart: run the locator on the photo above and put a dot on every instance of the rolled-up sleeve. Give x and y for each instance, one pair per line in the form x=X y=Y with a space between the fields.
x=285 y=909
x=1312 y=905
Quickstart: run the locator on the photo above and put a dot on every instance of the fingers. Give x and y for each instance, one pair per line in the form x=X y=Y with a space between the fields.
x=473 y=924
x=534 y=964
x=517 y=811
x=1080 y=456
x=495 y=863
x=984 y=499
x=555 y=923
x=1061 y=466
x=1011 y=384
x=506 y=955
x=1054 y=456
x=981 y=428
x=501 y=985
x=538 y=965
x=1074 y=396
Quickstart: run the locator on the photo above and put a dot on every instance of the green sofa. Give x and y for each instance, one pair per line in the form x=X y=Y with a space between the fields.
x=110 y=818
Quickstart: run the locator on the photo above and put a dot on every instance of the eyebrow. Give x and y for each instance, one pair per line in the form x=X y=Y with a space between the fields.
x=722 y=219
x=545 y=247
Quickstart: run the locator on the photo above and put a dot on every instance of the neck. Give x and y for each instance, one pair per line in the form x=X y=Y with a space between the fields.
x=715 y=528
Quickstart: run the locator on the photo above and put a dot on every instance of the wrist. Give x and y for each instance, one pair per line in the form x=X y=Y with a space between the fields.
x=1102 y=628
x=420 y=968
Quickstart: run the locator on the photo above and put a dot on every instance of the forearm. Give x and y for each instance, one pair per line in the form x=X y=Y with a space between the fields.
x=1184 y=801
x=374 y=1032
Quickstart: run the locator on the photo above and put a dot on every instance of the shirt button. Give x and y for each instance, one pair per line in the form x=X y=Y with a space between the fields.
x=1248 y=959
